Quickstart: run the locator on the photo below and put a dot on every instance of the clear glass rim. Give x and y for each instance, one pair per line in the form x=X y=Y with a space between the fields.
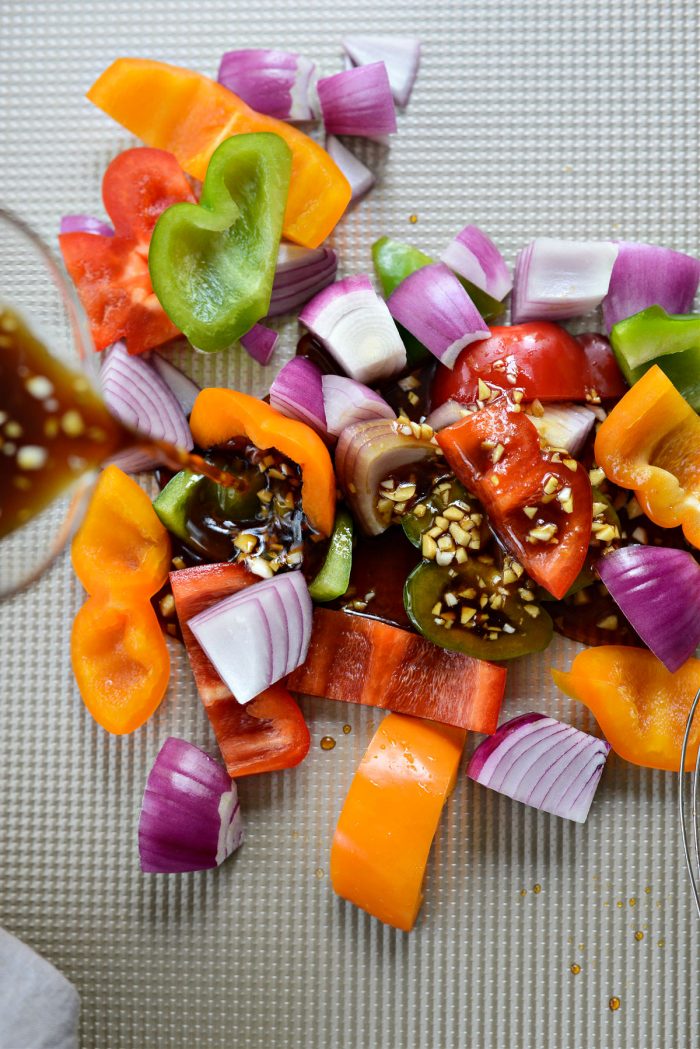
x=80 y=330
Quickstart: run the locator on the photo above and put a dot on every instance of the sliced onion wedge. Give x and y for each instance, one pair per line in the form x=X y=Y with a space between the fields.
x=566 y=426
x=356 y=328
x=276 y=83
x=542 y=762
x=346 y=402
x=433 y=305
x=252 y=637
x=475 y=257
x=646 y=275
x=260 y=343
x=297 y=393
x=557 y=279
x=183 y=387
x=658 y=591
x=360 y=177
x=367 y=454
x=300 y=274
x=85 y=224
x=136 y=394
x=400 y=55
x=190 y=816
x=448 y=413
x=358 y=102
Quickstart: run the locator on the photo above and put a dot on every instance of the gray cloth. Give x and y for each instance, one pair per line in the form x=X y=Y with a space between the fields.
x=39 y=1008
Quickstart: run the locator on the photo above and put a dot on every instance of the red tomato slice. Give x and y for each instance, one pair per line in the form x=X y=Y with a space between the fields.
x=111 y=273
x=496 y=453
x=265 y=735
x=543 y=360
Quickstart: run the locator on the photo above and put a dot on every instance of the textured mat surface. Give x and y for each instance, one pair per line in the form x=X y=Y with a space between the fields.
x=539 y=117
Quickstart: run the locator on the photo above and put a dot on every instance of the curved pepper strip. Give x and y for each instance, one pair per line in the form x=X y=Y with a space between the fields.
x=388 y=822
x=219 y=415
x=121 y=546
x=641 y=707
x=212 y=264
x=121 y=555
x=650 y=442
x=190 y=115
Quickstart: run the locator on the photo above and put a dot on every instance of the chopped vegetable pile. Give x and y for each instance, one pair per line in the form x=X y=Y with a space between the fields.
x=423 y=497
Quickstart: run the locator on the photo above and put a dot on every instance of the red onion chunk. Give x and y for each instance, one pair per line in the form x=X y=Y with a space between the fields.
x=253 y=637
x=448 y=413
x=658 y=591
x=297 y=393
x=542 y=762
x=475 y=257
x=400 y=55
x=185 y=390
x=85 y=224
x=137 y=395
x=356 y=328
x=433 y=305
x=646 y=275
x=358 y=102
x=368 y=453
x=346 y=402
x=557 y=279
x=565 y=426
x=300 y=274
x=260 y=343
x=273 y=82
x=360 y=177
x=190 y=816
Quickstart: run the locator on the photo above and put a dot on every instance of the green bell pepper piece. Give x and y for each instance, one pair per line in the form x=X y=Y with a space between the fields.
x=426 y=588
x=394 y=261
x=212 y=264
x=672 y=341
x=172 y=504
x=334 y=577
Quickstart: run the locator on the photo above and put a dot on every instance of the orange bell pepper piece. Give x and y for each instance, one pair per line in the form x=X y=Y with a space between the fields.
x=641 y=707
x=382 y=841
x=190 y=115
x=650 y=442
x=121 y=545
x=219 y=415
x=121 y=554
x=120 y=661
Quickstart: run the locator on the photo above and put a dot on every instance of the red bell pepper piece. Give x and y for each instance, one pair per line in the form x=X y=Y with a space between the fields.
x=538 y=502
x=539 y=358
x=360 y=660
x=111 y=273
x=265 y=735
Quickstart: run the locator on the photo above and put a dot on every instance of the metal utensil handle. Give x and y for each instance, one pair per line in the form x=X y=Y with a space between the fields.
x=691 y=862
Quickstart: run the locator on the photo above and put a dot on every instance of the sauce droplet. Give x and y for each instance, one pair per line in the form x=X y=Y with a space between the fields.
x=327 y=743
x=347 y=729
x=413 y=219
x=620 y=903
x=537 y=888
x=647 y=889
x=614 y=1004
x=639 y=935
x=633 y=902
x=662 y=943
x=576 y=969
x=319 y=872
x=523 y=892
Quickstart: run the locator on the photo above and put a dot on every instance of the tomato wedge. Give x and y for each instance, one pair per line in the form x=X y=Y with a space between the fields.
x=540 y=505
x=539 y=358
x=111 y=273
x=265 y=735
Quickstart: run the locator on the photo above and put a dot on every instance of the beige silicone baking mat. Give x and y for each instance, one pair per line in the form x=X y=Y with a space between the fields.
x=575 y=119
